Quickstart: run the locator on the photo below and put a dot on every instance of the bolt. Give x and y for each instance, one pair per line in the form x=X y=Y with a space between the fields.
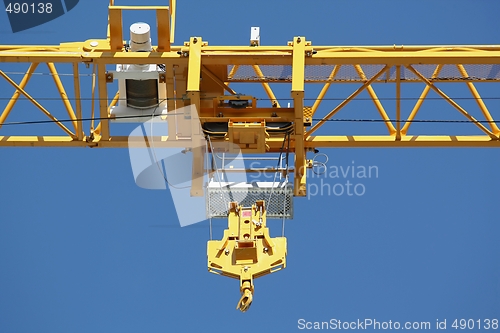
x=308 y=53
x=298 y=40
x=266 y=249
x=226 y=252
x=185 y=54
x=307 y=119
x=245 y=268
x=195 y=40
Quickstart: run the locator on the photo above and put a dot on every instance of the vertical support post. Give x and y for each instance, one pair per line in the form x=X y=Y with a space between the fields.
x=398 y=103
x=163 y=24
x=172 y=6
x=115 y=29
x=78 y=102
x=183 y=121
x=172 y=118
x=193 y=92
x=298 y=68
x=103 y=101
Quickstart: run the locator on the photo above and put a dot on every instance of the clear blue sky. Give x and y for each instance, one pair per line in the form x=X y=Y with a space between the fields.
x=83 y=249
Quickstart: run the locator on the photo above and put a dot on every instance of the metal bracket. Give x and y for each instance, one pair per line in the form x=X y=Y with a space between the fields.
x=109 y=77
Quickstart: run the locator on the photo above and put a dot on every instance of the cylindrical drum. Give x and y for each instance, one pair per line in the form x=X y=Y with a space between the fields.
x=140 y=37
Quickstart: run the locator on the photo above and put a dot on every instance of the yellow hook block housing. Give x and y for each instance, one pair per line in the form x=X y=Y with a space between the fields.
x=246 y=250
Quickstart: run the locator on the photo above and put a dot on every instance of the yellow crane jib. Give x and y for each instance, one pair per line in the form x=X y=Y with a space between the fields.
x=246 y=250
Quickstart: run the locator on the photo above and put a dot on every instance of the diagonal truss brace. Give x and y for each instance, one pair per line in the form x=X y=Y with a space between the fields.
x=38 y=105
x=452 y=102
x=346 y=101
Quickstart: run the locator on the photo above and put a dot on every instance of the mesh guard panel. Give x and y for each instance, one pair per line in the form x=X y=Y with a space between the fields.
x=246 y=194
x=321 y=73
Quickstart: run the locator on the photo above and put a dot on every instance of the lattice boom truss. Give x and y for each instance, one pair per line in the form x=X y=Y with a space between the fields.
x=432 y=66
x=298 y=63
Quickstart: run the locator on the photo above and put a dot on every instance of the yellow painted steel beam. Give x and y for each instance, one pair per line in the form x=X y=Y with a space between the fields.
x=194 y=64
x=40 y=141
x=416 y=141
x=78 y=55
x=233 y=71
x=398 y=103
x=139 y=7
x=163 y=25
x=405 y=58
x=339 y=141
x=115 y=28
x=92 y=107
x=103 y=101
x=266 y=86
x=193 y=93
x=183 y=123
x=31 y=48
x=78 y=102
x=108 y=32
x=170 y=86
x=64 y=96
x=249 y=56
x=173 y=8
x=218 y=81
x=114 y=101
x=297 y=93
